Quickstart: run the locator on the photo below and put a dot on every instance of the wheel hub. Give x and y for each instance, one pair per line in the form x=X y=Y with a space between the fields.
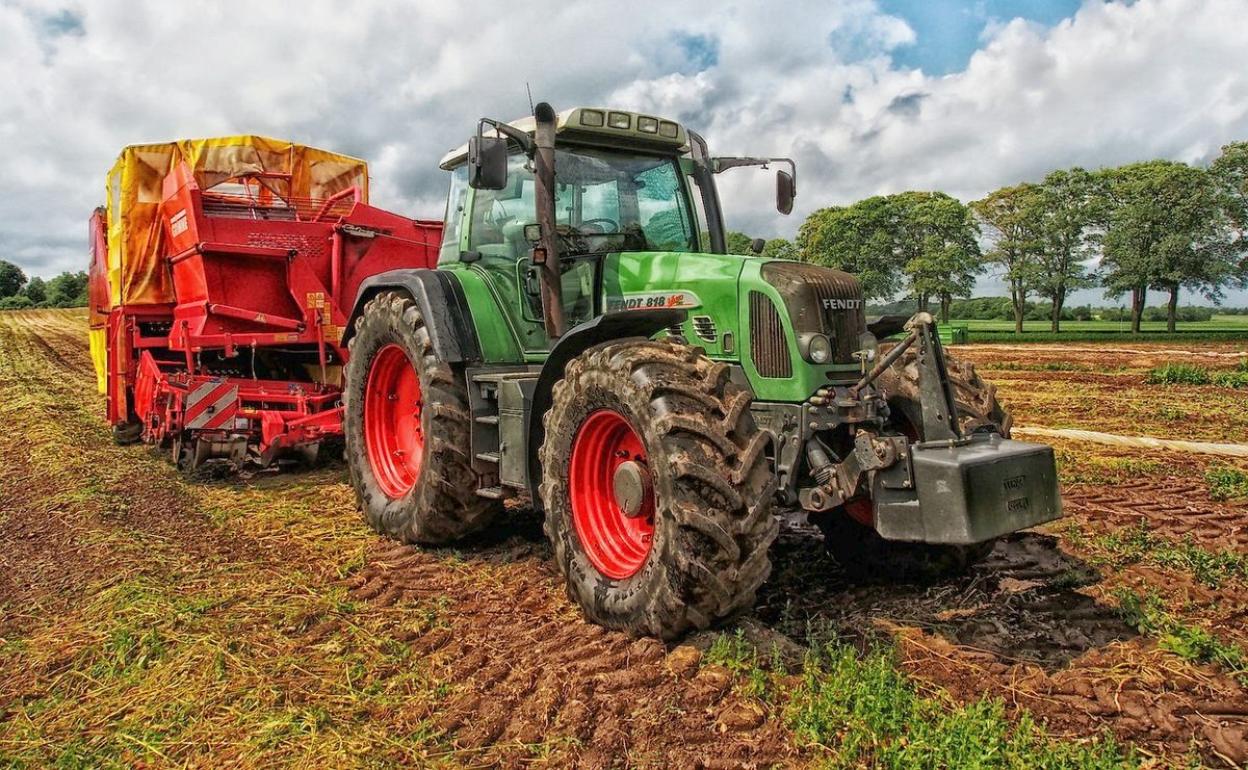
x=632 y=486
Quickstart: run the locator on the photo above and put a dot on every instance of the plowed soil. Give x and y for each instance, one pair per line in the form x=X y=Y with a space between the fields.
x=147 y=620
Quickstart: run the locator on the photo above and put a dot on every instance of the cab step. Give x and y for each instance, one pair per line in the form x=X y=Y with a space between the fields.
x=493 y=493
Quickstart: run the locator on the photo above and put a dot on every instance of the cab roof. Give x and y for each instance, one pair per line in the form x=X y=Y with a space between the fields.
x=596 y=125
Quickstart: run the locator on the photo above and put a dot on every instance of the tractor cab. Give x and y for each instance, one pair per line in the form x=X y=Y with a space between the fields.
x=622 y=182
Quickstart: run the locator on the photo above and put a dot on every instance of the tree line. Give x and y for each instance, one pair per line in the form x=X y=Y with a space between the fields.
x=1158 y=225
x=16 y=291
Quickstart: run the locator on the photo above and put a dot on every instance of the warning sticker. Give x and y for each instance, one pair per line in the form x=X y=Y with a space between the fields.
x=177 y=223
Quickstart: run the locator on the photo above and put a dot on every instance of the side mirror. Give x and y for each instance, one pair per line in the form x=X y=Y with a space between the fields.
x=786 y=191
x=487 y=162
x=757 y=245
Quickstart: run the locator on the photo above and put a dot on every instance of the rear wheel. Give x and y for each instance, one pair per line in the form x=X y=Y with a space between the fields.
x=848 y=533
x=406 y=420
x=657 y=488
x=976 y=399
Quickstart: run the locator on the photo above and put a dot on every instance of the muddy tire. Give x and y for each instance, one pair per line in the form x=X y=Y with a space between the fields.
x=407 y=424
x=693 y=547
x=976 y=399
x=858 y=548
x=865 y=556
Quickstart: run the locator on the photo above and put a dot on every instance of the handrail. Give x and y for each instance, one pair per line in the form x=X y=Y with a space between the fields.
x=352 y=190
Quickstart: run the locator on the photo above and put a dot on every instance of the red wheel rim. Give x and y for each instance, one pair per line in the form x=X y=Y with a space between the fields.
x=861 y=510
x=392 y=432
x=617 y=544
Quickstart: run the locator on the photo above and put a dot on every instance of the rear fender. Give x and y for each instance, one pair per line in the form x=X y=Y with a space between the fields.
x=441 y=302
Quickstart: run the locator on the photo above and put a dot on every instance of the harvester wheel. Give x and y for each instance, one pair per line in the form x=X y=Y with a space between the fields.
x=657 y=488
x=847 y=533
x=127 y=433
x=407 y=422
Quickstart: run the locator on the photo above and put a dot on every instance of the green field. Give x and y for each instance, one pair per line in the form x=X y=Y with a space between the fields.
x=1220 y=327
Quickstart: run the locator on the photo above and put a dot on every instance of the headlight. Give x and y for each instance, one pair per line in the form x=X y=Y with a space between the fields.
x=818 y=349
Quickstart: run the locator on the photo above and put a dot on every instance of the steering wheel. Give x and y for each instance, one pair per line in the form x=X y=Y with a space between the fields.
x=600 y=223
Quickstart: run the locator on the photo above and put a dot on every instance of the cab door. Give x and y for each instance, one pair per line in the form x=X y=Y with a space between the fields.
x=494 y=224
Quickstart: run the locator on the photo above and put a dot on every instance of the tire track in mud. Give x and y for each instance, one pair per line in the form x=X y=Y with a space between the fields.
x=1175 y=507
x=526 y=668
x=1135 y=690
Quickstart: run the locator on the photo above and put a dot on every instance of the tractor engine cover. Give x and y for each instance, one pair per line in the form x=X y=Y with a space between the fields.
x=971 y=491
x=823 y=301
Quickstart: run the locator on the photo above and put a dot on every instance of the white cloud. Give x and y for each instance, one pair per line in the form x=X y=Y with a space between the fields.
x=400 y=83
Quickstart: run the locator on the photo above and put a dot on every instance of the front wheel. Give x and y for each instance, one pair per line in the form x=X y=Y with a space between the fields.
x=864 y=555
x=848 y=533
x=657 y=488
x=406 y=420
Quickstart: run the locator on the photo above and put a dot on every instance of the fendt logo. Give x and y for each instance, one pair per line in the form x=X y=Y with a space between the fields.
x=834 y=303
x=655 y=300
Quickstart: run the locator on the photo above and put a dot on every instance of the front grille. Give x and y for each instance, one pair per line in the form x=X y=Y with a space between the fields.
x=821 y=300
x=704 y=328
x=769 y=348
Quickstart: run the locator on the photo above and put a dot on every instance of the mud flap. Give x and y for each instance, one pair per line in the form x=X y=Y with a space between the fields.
x=969 y=491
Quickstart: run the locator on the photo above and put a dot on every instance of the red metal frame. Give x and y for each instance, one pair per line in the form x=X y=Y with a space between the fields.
x=252 y=276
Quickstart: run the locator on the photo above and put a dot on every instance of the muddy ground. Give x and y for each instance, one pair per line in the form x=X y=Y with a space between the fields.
x=151 y=621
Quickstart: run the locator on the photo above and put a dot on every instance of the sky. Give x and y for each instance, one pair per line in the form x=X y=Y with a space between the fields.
x=869 y=96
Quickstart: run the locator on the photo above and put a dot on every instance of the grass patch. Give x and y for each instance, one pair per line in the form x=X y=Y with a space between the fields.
x=1190 y=374
x=1136 y=545
x=1193 y=643
x=1079 y=468
x=866 y=712
x=1046 y=366
x=735 y=653
x=1226 y=482
x=1172 y=413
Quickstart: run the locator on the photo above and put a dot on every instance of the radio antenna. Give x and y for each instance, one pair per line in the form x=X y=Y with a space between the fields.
x=530 y=92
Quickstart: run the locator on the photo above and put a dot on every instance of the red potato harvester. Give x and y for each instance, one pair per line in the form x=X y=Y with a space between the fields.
x=222 y=273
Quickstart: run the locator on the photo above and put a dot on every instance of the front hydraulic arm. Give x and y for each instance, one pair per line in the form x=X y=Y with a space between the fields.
x=838 y=480
x=939 y=410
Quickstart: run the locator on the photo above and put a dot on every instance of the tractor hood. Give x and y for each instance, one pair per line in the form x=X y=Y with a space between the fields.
x=820 y=300
x=758 y=312
x=705 y=286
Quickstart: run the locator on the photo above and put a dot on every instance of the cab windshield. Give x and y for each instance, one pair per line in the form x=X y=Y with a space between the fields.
x=604 y=201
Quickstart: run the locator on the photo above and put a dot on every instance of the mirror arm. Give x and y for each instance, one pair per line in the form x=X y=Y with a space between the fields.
x=720 y=165
x=511 y=132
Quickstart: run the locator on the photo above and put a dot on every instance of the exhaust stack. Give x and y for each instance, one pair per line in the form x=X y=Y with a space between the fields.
x=546 y=253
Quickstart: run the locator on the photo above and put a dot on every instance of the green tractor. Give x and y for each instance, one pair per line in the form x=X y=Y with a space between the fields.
x=586 y=347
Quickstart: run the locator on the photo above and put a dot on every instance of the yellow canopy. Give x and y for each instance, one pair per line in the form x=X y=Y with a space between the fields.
x=137 y=272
